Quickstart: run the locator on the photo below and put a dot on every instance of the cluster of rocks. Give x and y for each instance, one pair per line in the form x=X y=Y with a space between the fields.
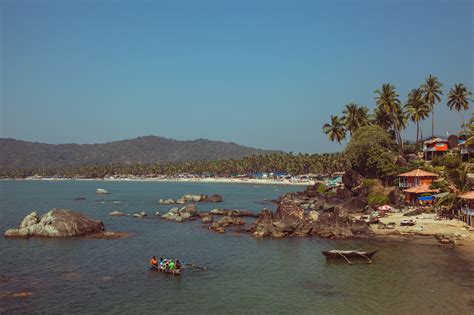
x=185 y=213
x=139 y=215
x=225 y=222
x=351 y=196
x=291 y=220
x=447 y=239
x=60 y=223
x=192 y=198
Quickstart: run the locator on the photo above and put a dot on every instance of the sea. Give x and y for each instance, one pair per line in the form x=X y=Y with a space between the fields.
x=243 y=274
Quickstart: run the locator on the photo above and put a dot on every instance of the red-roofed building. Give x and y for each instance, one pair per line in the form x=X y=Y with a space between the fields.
x=416 y=183
x=434 y=147
x=415 y=178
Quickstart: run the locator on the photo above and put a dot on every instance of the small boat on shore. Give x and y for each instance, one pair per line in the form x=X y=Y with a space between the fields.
x=346 y=254
x=175 y=272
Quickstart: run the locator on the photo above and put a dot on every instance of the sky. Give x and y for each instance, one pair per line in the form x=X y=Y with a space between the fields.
x=266 y=74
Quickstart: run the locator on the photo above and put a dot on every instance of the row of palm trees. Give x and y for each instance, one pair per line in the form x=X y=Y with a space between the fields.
x=393 y=116
x=287 y=163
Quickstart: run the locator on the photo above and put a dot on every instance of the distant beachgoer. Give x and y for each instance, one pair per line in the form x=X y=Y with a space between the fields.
x=178 y=264
x=153 y=262
x=161 y=261
x=171 y=265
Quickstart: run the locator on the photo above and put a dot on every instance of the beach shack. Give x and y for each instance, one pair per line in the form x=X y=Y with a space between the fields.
x=434 y=147
x=466 y=150
x=416 y=178
x=416 y=184
x=467 y=208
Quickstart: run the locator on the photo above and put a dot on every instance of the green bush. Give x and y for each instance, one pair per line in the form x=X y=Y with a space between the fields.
x=369 y=182
x=377 y=199
x=321 y=188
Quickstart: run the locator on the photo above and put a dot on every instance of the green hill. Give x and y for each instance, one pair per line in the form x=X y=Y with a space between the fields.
x=142 y=150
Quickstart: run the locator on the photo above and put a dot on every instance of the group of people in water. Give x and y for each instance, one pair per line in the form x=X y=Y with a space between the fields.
x=167 y=264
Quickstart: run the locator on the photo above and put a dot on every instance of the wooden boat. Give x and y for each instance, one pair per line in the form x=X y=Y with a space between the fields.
x=346 y=254
x=175 y=272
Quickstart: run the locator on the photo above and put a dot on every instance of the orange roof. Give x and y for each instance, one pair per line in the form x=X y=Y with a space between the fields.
x=469 y=195
x=418 y=173
x=435 y=140
x=421 y=189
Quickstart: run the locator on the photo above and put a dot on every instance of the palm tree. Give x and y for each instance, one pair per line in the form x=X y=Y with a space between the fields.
x=335 y=130
x=355 y=116
x=390 y=109
x=417 y=109
x=458 y=98
x=431 y=94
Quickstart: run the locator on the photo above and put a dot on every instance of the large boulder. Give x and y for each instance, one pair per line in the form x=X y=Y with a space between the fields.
x=289 y=213
x=57 y=223
x=189 y=209
x=101 y=191
x=395 y=196
x=337 y=224
x=352 y=179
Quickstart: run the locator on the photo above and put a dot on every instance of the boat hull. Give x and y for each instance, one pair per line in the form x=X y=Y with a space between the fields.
x=175 y=272
x=348 y=254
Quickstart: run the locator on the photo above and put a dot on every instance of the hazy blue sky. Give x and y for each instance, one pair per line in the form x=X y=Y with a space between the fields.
x=266 y=74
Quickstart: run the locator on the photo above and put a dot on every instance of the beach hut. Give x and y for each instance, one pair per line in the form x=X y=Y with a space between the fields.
x=420 y=194
x=467 y=208
x=416 y=178
x=434 y=147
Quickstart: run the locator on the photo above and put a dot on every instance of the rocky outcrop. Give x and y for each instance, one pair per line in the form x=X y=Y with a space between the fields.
x=101 y=191
x=57 y=223
x=185 y=213
x=395 y=196
x=352 y=179
x=192 y=198
x=225 y=222
x=290 y=220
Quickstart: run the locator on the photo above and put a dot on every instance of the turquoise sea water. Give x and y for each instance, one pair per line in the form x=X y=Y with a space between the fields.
x=245 y=275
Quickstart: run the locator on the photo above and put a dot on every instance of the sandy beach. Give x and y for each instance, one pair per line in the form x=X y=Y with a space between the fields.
x=252 y=181
x=426 y=225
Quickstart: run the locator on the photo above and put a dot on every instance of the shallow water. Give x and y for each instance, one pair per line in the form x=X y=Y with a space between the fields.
x=244 y=274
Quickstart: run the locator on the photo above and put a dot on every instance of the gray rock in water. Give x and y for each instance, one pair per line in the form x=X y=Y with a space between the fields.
x=59 y=223
x=117 y=213
x=191 y=209
x=143 y=214
x=174 y=210
x=101 y=191
x=207 y=219
x=167 y=201
x=157 y=213
x=179 y=218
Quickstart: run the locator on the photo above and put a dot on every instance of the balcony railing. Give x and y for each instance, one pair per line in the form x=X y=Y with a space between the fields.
x=408 y=184
x=467 y=211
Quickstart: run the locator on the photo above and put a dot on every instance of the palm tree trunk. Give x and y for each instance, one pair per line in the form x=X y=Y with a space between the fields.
x=462 y=123
x=432 y=123
x=417 y=133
